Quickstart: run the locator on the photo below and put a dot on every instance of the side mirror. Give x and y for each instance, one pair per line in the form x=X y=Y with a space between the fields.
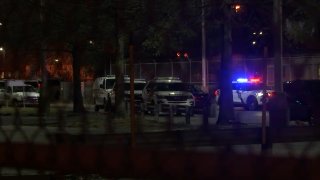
x=101 y=86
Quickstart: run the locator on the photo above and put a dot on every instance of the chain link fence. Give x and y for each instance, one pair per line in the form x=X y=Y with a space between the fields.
x=66 y=145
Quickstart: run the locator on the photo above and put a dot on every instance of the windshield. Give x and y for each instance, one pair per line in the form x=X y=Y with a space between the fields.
x=24 y=89
x=170 y=87
x=108 y=83
x=30 y=89
x=137 y=86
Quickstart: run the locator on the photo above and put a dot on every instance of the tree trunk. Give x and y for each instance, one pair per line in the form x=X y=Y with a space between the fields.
x=119 y=87
x=77 y=95
x=119 y=108
x=226 y=112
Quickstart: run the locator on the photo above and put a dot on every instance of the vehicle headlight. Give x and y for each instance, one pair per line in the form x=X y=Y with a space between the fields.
x=259 y=94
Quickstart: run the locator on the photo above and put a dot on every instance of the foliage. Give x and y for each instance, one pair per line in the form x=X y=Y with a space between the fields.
x=302 y=23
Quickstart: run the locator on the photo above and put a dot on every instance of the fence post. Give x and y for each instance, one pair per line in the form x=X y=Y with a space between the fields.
x=156 y=111
x=139 y=70
x=205 y=116
x=188 y=109
x=189 y=71
x=170 y=120
x=171 y=68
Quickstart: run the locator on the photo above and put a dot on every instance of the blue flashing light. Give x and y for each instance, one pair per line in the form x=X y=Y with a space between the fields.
x=242 y=80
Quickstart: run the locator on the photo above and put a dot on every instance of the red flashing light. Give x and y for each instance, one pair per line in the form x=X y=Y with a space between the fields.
x=255 y=80
x=185 y=55
x=216 y=92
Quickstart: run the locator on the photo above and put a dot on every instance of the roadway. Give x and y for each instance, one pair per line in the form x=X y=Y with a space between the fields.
x=245 y=138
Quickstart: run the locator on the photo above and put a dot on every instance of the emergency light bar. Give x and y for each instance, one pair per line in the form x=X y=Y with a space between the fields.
x=246 y=80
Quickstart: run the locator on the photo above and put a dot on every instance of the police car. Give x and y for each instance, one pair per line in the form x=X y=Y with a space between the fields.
x=248 y=93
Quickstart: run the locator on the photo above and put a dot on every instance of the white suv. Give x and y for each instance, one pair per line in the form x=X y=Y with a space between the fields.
x=161 y=93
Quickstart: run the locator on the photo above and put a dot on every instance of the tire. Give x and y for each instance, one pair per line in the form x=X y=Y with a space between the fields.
x=252 y=104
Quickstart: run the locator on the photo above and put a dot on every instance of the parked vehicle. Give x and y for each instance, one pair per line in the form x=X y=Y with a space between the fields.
x=304 y=100
x=248 y=93
x=18 y=93
x=102 y=92
x=162 y=92
x=201 y=98
x=139 y=84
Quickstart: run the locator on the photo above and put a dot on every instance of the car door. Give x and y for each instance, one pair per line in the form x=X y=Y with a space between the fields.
x=236 y=92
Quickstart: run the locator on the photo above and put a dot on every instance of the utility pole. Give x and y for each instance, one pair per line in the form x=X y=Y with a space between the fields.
x=133 y=120
x=277 y=41
x=204 y=62
x=43 y=107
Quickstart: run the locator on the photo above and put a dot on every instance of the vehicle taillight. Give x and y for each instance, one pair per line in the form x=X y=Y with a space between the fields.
x=216 y=93
x=270 y=94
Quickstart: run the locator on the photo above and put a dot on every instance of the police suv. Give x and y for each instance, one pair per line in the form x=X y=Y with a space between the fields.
x=249 y=93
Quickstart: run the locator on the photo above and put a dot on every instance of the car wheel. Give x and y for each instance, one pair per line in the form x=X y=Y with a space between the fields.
x=252 y=104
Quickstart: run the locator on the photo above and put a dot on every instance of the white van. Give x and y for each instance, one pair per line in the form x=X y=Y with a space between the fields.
x=103 y=96
x=19 y=93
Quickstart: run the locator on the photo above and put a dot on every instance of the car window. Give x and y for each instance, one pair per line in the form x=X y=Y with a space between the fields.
x=17 y=88
x=170 y=87
x=30 y=89
x=108 y=83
